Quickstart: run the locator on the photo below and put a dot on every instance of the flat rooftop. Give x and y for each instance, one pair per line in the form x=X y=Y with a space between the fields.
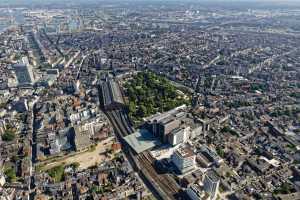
x=142 y=140
x=212 y=175
x=167 y=116
x=185 y=152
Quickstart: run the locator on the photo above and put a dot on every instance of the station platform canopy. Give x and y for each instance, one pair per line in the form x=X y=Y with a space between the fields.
x=142 y=140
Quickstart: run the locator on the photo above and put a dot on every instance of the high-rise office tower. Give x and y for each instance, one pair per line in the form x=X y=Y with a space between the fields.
x=211 y=184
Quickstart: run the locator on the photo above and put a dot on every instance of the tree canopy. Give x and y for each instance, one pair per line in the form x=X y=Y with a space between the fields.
x=9 y=135
x=149 y=93
x=10 y=174
x=57 y=173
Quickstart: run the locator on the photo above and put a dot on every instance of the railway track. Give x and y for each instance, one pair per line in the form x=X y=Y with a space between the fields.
x=165 y=186
x=167 y=182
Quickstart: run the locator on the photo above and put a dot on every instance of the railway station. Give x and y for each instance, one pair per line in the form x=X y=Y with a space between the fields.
x=110 y=95
x=142 y=140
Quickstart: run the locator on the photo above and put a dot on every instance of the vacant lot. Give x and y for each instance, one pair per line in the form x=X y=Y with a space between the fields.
x=85 y=159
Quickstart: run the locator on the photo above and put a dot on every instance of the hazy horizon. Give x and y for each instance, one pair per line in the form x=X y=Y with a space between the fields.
x=229 y=4
x=95 y=1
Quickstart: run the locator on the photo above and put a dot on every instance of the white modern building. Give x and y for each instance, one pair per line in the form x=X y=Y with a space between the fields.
x=184 y=159
x=211 y=184
x=179 y=135
x=2 y=179
x=196 y=192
